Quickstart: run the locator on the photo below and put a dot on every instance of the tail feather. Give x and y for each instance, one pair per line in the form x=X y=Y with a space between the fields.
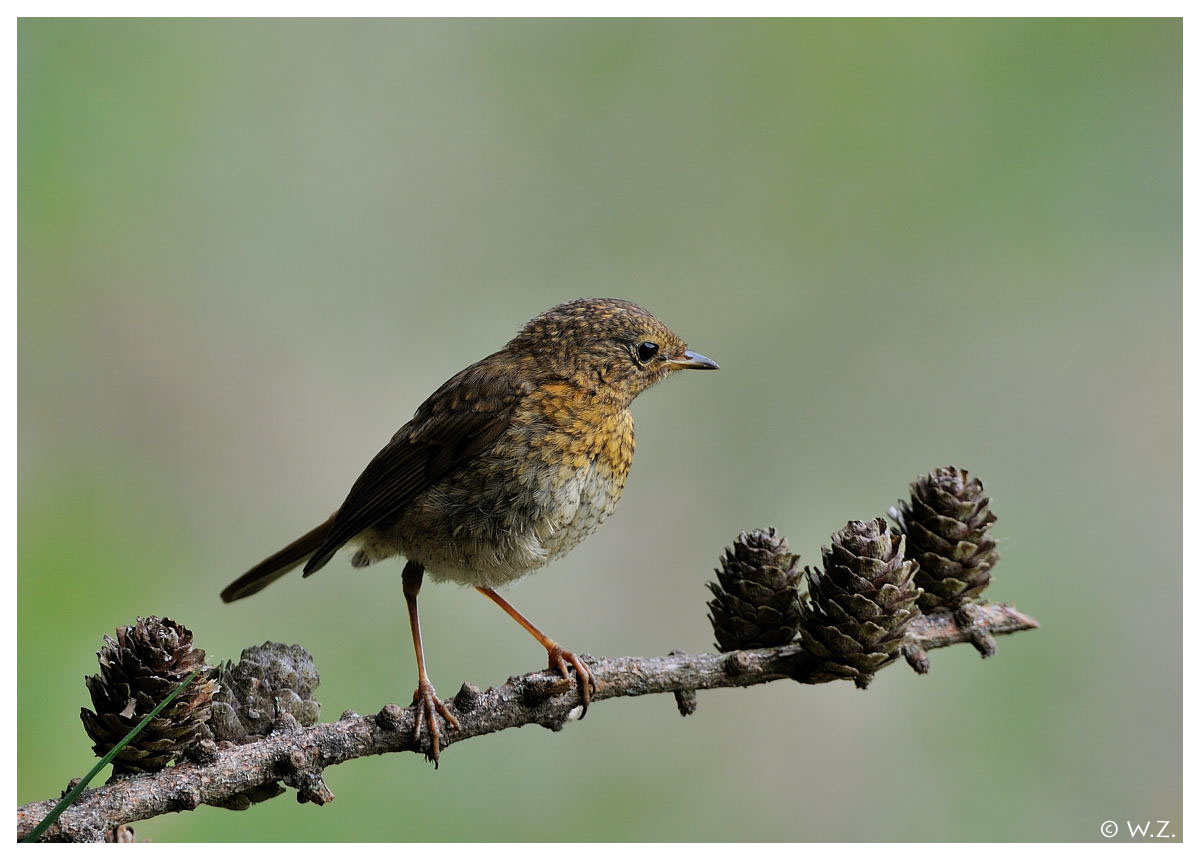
x=270 y=569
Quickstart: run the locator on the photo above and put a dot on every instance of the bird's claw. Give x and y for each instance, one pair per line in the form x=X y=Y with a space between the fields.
x=559 y=658
x=429 y=707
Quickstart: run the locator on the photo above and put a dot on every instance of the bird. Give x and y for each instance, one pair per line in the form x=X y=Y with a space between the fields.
x=505 y=468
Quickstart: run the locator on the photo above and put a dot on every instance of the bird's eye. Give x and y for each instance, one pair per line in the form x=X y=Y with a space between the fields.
x=646 y=350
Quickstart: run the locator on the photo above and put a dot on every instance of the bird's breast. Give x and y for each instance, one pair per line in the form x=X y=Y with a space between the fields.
x=544 y=487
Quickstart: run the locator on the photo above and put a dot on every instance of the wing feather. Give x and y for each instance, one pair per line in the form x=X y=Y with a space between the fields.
x=459 y=421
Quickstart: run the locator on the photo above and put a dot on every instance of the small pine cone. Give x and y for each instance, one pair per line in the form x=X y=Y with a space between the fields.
x=268 y=680
x=946 y=523
x=755 y=602
x=138 y=670
x=860 y=604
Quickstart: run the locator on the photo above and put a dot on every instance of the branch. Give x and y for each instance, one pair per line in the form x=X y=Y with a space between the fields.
x=237 y=776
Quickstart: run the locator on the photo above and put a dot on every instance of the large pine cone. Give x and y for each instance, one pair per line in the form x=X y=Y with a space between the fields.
x=138 y=670
x=268 y=679
x=946 y=524
x=860 y=604
x=756 y=601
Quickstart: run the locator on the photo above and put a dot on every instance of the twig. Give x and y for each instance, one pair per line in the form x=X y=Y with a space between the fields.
x=298 y=756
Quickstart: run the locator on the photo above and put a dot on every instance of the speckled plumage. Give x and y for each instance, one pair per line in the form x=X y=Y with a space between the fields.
x=510 y=463
x=557 y=470
x=506 y=467
x=525 y=505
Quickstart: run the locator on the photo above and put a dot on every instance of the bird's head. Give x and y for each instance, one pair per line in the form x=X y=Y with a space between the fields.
x=611 y=345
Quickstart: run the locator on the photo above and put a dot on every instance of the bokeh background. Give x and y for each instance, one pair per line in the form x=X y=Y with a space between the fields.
x=249 y=249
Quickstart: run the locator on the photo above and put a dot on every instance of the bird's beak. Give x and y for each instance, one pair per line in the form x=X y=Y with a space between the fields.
x=689 y=360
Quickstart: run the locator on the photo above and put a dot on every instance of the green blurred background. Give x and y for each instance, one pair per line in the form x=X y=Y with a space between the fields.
x=248 y=250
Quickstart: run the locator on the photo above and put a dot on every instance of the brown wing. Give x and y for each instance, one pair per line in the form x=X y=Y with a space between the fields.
x=458 y=422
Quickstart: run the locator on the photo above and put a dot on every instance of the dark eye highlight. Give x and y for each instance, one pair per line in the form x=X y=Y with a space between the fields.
x=646 y=350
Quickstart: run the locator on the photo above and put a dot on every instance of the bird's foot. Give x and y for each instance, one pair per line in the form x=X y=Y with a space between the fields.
x=429 y=707
x=586 y=681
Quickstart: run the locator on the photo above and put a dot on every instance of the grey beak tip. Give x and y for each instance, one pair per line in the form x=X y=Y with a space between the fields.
x=699 y=362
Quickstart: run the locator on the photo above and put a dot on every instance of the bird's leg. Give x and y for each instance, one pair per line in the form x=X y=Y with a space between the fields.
x=559 y=656
x=425 y=698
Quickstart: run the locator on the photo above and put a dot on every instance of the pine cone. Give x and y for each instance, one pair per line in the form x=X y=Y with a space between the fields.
x=138 y=670
x=946 y=524
x=756 y=603
x=860 y=604
x=269 y=679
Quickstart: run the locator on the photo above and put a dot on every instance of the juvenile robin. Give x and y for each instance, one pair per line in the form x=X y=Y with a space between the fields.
x=506 y=467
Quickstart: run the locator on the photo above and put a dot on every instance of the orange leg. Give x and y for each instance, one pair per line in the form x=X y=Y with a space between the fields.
x=425 y=698
x=559 y=656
